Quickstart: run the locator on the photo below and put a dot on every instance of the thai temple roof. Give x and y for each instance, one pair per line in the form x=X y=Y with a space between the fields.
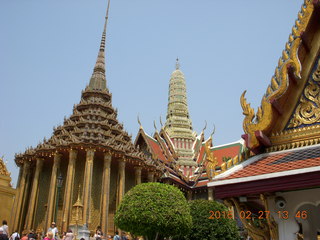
x=183 y=153
x=283 y=135
x=93 y=122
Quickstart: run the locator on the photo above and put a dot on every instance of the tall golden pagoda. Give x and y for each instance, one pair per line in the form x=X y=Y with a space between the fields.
x=178 y=125
x=89 y=162
x=189 y=160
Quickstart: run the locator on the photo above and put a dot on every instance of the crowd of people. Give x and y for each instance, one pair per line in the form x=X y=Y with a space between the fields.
x=53 y=234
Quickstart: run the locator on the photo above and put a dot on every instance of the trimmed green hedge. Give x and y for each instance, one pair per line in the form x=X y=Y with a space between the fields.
x=154 y=209
x=204 y=228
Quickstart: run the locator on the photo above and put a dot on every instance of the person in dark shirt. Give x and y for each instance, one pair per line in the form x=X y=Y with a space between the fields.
x=32 y=235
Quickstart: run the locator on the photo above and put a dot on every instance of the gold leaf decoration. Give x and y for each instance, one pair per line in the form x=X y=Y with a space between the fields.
x=308 y=110
x=279 y=82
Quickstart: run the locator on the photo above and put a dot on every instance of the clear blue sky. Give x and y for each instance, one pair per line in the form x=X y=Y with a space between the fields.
x=48 y=50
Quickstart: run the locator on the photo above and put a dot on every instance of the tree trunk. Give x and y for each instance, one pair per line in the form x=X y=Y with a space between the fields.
x=157 y=235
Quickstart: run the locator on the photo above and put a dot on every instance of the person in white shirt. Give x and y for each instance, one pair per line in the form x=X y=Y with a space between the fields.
x=5 y=228
x=14 y=235
x=54 y=230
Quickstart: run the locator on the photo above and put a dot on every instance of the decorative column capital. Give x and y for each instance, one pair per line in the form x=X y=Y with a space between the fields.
x=107 y=159
x=138 y=169
x=57 y=157
x=90 y=154
x=73 y=154
x=26 y=167
x=39 y=162
x=122 y=164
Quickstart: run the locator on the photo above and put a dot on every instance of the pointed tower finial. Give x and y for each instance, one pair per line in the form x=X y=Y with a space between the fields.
x=177 y=64
x=140 y=125
x=161 y=122
x=98 y=79
x=155 y=126
x=205 y=125
x=213 y=131
x=103 y=39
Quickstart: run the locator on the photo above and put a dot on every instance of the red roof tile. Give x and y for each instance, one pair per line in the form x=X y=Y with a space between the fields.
x=154 y=145
x=200 y=155
x=280 y=162
x=227 y=151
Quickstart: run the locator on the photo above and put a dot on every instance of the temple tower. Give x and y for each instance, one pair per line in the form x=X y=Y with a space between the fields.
x=89 y=157
x=178 y=125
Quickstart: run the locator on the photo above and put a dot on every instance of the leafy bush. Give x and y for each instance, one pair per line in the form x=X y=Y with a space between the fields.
x=204 y=228
x=154 y=210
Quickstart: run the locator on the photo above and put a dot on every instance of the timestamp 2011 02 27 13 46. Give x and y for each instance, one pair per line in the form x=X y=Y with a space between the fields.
x=259 y=215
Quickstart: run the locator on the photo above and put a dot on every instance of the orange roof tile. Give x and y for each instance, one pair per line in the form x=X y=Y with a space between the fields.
x=280 y=162
x=201 y=154
x=154 y=145
x=227 y=151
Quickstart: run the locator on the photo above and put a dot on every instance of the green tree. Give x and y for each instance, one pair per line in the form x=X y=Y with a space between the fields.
x=154 y=210
x=211 y=221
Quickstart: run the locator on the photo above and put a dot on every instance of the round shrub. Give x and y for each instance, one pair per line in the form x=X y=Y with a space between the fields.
x=154 y=210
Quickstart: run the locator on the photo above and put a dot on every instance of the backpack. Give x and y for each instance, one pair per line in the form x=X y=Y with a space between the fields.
x=17 y=237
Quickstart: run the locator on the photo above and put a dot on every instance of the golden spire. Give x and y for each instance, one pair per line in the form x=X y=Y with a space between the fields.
x=178 y=124
x=177 y=64
x=98 y=78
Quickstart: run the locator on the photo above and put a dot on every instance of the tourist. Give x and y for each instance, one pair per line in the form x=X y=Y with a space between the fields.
x=54 y=230
x=32 y=235
x=49 y=236
x=3 y=236
x=69 y=235
x=124 y=236
x=98 y=235
x=24 y=236
x=116 y=237
x=15 y=235
x=5 y=228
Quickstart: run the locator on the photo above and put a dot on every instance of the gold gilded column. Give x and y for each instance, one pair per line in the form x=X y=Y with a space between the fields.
x=33 y=196
x=150 y=176
x=87 y=184
x=122 y=167
x=15 y=203
x=52 y=189
x=210 y=194
x=105 y=192
x=26 y=167
x=137 y=174
x=68 y=189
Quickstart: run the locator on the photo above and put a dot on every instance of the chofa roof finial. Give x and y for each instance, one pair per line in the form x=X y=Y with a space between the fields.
x=138 y=118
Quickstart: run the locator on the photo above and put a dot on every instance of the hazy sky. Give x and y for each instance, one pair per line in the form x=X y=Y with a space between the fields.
x=48 y=50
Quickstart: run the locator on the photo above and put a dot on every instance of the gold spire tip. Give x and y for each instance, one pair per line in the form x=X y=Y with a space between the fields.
x=103 y=39
x=177 y=64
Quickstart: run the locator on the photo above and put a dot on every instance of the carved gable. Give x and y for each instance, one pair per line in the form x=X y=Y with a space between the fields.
x=303 y=127
x=307 y=111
